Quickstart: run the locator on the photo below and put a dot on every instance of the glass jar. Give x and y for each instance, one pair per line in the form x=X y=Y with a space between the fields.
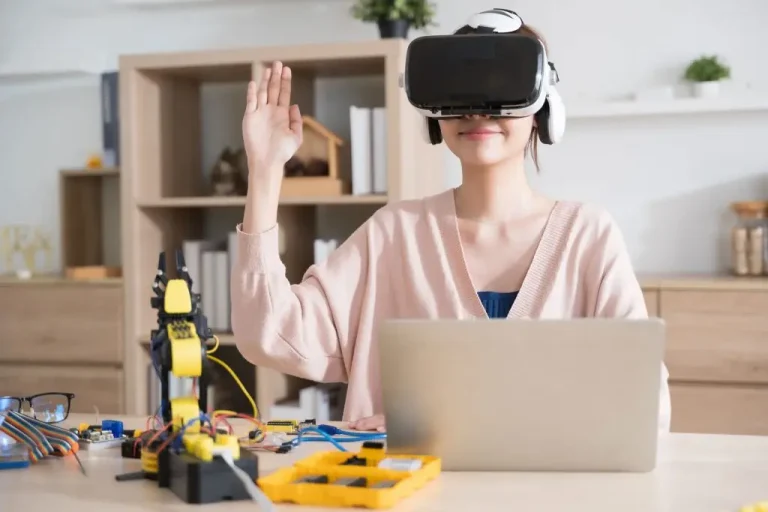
x=749 y=239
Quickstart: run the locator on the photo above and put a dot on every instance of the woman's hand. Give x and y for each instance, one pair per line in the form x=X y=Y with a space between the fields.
x=272 y=132
x=371 y=423
x=272 y=127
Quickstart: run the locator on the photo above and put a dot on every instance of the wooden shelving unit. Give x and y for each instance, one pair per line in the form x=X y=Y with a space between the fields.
x=164 y=194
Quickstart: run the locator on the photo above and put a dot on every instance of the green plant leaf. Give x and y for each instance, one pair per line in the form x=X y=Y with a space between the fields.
x=707 y=68
x=418 y=13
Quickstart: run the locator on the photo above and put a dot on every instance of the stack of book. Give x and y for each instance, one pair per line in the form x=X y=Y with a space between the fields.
x=368 y=143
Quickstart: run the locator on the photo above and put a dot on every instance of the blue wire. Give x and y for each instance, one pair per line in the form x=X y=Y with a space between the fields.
x=177 y=443
x=327 y=433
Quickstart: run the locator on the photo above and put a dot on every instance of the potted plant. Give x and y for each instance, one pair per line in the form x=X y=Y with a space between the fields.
x=705 y=73
x=395 y=17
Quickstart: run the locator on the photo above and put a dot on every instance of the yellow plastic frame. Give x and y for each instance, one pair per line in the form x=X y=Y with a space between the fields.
x=280 y=487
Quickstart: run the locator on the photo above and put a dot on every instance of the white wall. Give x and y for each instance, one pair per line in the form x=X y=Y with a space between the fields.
x=668 y=180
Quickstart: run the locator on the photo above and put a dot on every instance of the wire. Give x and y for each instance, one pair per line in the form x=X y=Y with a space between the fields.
x=327 y=433
x=238 y=382
x=223 y=415
x=253 y=490
x=215 y=347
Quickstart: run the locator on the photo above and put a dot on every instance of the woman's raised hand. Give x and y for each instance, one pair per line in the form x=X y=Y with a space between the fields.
x=272 y=127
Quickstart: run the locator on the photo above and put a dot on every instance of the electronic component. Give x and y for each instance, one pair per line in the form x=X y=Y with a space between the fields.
x=114 y=426
x=94 y=437
x=130 y=449
x=501 y=73
x=400 y=464
x=285 y=448
x=289 y=426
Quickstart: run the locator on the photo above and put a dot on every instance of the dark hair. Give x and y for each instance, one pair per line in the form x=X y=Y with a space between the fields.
x=532 y=147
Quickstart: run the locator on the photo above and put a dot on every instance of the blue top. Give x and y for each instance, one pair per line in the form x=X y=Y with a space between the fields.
x=497 y=304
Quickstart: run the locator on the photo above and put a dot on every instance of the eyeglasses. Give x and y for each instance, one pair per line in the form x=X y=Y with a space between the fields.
x=47 y=407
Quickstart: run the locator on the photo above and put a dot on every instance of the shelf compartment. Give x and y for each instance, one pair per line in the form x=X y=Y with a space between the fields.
x=90 y=226
x=325 y=87
x=166 y=109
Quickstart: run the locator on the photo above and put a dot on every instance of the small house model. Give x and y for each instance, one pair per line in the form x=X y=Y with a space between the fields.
x=314 y=170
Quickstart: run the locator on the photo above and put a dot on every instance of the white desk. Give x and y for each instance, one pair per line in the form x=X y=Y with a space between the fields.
x=695 y=474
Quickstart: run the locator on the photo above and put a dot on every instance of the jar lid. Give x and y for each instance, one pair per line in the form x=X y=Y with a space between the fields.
x=751 y=209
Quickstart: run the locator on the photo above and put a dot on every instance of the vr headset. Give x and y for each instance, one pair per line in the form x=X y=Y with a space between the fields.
x=494 y=72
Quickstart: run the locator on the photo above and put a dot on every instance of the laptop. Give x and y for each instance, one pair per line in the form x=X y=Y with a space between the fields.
x=524 y=395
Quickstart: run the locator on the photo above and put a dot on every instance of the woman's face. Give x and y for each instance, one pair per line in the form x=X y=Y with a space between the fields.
x=481 y=141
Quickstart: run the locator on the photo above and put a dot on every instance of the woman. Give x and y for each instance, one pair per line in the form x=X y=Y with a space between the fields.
x=491 y=247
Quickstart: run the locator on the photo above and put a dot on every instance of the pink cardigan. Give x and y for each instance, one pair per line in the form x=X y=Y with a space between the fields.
x=406 y=261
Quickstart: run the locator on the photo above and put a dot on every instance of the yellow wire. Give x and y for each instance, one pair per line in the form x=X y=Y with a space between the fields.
x=215 y=347
x=238 y=382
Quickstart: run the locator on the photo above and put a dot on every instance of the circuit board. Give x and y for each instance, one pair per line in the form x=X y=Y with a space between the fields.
x=99 y=439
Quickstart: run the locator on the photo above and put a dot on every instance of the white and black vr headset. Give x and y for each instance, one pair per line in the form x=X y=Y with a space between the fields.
x=493 y=72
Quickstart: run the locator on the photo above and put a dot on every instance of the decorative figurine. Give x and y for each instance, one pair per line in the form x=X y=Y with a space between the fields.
x=227 y=178
x=29 y=242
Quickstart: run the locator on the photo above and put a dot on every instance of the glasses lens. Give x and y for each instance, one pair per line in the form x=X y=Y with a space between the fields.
x=51 y=407
x=9 y=403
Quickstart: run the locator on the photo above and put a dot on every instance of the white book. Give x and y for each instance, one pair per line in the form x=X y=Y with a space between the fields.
x=313 y=403
x=193 y=253
x=360 y=144
x=379 y=150
x=322 y=405
x=208 y=279
x=323 y=249
x=221 y=291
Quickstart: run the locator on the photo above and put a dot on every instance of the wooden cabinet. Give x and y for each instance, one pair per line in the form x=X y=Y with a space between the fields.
x=60 y=335
x=717 y=352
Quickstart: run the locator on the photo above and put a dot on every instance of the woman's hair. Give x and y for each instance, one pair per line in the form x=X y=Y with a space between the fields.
x=532 y=147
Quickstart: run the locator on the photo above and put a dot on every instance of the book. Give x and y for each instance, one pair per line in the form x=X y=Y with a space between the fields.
x=360 y=147
x=110 y=119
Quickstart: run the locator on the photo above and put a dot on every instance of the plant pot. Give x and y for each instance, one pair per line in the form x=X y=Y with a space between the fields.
x=706 y=89
x=394 y=29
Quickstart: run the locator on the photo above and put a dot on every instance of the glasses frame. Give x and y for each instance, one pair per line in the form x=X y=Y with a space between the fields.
x=28 y=400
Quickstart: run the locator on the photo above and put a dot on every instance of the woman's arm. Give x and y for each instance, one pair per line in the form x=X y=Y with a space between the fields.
x=303 y=329
x=618 y=293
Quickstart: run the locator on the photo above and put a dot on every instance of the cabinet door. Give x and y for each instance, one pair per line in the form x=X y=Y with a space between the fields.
x=95 y=388
x=716 y=336
x=719 y=409
x=61 y=323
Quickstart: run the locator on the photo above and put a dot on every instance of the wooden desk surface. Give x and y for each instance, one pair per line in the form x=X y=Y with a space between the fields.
x=700 y=473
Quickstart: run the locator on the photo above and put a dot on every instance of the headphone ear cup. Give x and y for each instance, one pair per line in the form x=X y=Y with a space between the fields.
x=433 y=131
x=551 y=118
x=542 y=123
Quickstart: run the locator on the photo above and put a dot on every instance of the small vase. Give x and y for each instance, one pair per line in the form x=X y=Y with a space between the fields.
x=394 y=29
x=706 y=89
